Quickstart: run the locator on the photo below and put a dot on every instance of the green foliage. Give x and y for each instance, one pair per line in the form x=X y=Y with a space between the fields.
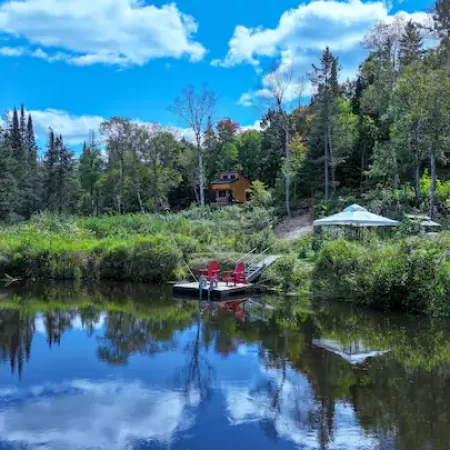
x=291 y=274
x=410 y=274
x=259 y=195
x=141 y=247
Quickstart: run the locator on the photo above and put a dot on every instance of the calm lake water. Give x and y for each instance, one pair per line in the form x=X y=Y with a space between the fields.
x=128 y=367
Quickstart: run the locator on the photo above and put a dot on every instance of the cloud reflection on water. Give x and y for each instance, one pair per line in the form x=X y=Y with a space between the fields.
x=94 y=414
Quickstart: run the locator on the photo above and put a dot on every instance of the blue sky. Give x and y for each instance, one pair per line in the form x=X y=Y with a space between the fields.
x=74 y=63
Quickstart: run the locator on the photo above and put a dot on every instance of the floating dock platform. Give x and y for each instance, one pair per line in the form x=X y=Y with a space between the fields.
x=221 y=292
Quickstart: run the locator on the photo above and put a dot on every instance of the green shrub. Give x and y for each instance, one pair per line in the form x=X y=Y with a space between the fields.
x=291 y=274
x=143 y=247
x=408 y=274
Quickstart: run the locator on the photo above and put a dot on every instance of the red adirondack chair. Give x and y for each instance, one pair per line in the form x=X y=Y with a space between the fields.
x=237 y=276
x=212 y=270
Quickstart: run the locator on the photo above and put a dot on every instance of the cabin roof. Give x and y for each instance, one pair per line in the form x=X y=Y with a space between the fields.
x=233 y=180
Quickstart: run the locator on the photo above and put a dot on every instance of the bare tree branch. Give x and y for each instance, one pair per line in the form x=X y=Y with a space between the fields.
x=194 y=110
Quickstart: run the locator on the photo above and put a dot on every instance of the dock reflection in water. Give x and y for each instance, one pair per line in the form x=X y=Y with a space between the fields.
x=120 y=367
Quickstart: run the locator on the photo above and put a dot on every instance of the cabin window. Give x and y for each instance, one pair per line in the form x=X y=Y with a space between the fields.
x=222 y=194
x=225 y=177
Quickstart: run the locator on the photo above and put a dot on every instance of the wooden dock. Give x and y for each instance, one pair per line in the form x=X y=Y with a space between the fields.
x=257 y=264
x=221 y=292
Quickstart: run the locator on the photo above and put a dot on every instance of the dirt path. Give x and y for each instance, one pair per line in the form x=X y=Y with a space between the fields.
x=295 y=227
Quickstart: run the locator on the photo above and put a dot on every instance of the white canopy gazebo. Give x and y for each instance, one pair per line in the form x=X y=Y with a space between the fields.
x=356 y=216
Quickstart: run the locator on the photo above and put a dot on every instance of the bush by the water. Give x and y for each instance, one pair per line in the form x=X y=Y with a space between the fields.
x=142 y=247
x=408 y=274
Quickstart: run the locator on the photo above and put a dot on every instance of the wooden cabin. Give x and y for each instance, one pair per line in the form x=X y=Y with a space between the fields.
x=230 y=187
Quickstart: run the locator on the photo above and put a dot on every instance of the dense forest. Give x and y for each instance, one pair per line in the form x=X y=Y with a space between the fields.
x=386 y=130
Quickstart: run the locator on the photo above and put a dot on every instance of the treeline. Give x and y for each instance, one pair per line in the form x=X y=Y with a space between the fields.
x=387 y=129
x=132 y=168
x=391 y=124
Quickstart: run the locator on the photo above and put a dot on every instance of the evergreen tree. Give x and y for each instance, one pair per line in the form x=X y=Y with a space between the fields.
x=410 y=45
x=210 y=150
x=31 y=183
x=441 y=19
x=325 y=78
x=51 y=174
x=90 y=171
x=16 y=136
x=8 y=185
x=22 y=124
x=67 y=189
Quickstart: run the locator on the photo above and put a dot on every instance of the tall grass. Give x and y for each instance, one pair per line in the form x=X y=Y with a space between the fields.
x=141 y=247
x=410 y=274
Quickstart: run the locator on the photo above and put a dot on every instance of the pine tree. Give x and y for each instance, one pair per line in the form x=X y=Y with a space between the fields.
x=23 y=124
x=32 y=173
x=68 y=183
x=90 y=171
x=19 y=161
x=8 y=185
x=410 y=45
x=441 y=19
x=51 y=161
x=16 y=137
x=325 y=78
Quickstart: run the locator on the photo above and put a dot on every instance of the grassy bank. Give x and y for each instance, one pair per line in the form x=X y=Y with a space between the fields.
x=411 y=274
x=404 y=273
x=142 y=247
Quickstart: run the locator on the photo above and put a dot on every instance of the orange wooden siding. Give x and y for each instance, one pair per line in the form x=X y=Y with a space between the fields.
x=238 y=188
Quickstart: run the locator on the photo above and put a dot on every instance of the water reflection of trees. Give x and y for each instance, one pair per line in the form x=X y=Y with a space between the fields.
x=399 y=396
x=197 y=374
x=16 y=335
x=57 y=322
x=138 y=319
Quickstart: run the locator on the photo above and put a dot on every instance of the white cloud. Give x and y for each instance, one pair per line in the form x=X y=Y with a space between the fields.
x=301 y=35
x=12 y=51
x=85 y=414
x=246 y=99
x=76 y=323
x=341 y=25
x=291 y=417
x=255 y=126
x=75 y=128
x=115 y=32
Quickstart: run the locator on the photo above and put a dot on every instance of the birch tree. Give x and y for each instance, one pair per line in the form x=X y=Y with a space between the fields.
x=278 y=85
x=195 y=111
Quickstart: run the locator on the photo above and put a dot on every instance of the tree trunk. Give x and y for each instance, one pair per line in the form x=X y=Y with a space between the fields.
x=417 y=183
x=363 y=151
x=200 y=173
x=91 y=200
x=195 y=188
x=288 y=169
x=121 y=187
x=433 y=183
x=417 y=168
x=326 y=167
x=395 y=163
x=97 y=203
x=333 y=163
x=141 y=206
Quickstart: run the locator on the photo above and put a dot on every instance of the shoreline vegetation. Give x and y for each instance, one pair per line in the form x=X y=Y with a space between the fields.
x=400 y=272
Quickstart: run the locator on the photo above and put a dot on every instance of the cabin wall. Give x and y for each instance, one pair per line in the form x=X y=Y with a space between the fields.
x=239 y=189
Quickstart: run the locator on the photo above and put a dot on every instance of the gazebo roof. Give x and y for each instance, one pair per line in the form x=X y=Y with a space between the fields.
x=356 y=216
